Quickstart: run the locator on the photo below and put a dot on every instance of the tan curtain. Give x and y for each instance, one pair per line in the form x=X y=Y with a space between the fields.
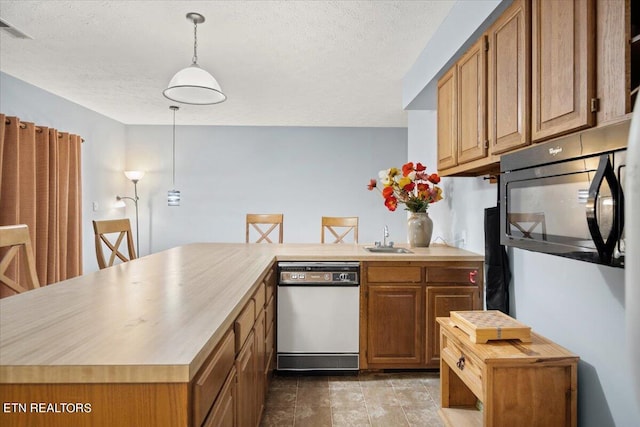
x=40 y=185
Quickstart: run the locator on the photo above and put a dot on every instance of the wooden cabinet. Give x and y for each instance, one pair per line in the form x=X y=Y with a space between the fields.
x=462 y=126
x=395 y=325
x=253 y=362
x=553 y=68
x=223 y=413
x=246 y=413
x=509 y=79
x=399 y=304
x=441 y=300
x=617 y=58
x=472 y=95
x=532 y=384
x=448 y=120
x=563 y=67
x=212 y=376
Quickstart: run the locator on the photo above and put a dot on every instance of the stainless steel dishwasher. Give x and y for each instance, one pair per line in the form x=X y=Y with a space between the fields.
x=318 y=316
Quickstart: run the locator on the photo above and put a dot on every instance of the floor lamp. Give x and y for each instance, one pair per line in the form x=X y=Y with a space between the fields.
x=134 y=176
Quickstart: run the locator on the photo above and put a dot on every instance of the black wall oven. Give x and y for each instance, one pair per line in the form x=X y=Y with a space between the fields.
x=566 y=197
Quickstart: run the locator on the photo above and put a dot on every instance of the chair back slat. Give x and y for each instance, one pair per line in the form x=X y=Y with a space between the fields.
x=256 y=220
x=104 y=236
x=339 y=228
x=15 y=239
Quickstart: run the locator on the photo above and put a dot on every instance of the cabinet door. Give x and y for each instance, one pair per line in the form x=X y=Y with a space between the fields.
x=259 y=385
x=472 y=106
x=440 y=301
x=613 y=50
x=447 y=120
x=245 y=386
x=563 y=67
x=223 y=412
x=395 y=328
x=509 y=82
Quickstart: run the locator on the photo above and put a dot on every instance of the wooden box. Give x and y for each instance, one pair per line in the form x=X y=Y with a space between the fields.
x=482 y=326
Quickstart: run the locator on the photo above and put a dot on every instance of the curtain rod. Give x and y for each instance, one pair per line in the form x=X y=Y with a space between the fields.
x=38 y=128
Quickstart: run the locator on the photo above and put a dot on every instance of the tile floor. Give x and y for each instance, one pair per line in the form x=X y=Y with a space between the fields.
x=376 y=399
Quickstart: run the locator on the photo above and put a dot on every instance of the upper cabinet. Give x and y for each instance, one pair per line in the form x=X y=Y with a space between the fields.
x=509 y=71
x=472 y=104
x=618 y=58
x=447 y=120
x=543 y=69
x=563 y=52
x=462 y=94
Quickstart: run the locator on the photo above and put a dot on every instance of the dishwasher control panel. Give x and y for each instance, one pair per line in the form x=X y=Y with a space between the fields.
x=330 y=273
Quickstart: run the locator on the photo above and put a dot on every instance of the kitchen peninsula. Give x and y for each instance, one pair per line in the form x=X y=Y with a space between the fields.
x=161 y=340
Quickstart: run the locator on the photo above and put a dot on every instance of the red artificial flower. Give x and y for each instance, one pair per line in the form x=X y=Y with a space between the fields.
x=391 y=203
x=407 y=168
x=387 y=192
x=420 y=167
x=422 y=187
x=409 y=187
x=434 y=178
x=372 y=184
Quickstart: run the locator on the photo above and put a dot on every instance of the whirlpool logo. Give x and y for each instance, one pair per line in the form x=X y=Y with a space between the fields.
x=554 y=151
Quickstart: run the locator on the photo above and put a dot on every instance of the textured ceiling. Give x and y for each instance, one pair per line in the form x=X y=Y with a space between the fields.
x=281 y=63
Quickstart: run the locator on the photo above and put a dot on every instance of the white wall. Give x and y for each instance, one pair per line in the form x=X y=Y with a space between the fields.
x=225 y=172
x=103 y=149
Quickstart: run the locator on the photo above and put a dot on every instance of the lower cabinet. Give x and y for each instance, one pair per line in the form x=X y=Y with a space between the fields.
x=246 y=411
x=223 y=413
x=441 y=300
x=399 y=305
x=230 y=389
x=395 y=325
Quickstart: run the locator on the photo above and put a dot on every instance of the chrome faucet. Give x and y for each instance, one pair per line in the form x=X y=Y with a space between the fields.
x=384 y=243
x=386 y=236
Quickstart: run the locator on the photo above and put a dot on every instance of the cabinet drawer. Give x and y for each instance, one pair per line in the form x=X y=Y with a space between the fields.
x=394 y=274
x=223 y=412
x=270 y=312
x=270 y=283
x=211 y=377
x=464 y=364
x=259 y=298
x=458 y=275
x=244 y=323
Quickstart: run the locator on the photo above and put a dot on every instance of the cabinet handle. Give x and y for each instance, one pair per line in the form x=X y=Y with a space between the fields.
x=472 y=276
x=460 y=363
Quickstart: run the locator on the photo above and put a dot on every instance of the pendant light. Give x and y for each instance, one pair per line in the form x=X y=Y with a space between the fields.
x=193 y=85
x=173 y=196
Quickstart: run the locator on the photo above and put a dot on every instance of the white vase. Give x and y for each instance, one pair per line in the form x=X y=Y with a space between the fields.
x=419 y=230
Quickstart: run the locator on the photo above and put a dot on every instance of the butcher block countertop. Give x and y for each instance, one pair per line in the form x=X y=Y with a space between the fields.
x=154 y=319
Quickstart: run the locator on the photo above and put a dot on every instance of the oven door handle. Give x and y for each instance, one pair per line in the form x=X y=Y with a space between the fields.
x=605 y=172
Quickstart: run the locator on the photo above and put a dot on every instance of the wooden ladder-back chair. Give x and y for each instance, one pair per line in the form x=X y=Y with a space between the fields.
x=17 y=241
x=255 y=220
x=112 y=226
x=339 y=227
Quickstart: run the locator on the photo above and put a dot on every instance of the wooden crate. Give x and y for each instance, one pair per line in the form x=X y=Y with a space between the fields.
x=482 y=326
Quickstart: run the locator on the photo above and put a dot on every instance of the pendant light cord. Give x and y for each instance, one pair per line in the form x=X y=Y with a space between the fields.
x=195 y=42
x=174 y=108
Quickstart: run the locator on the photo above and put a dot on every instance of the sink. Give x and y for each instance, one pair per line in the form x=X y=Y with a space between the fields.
x=385 y=250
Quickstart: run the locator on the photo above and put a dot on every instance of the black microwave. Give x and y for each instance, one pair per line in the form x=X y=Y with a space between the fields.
x=566 y=197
